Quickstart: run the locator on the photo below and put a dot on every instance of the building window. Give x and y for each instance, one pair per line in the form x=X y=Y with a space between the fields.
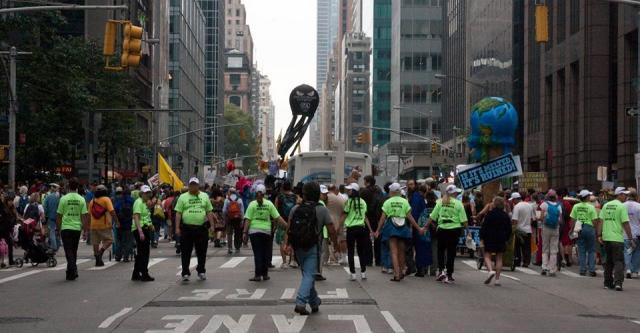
x=234 y=78
x=575 y=16
x=235 y=100
x=237 y=12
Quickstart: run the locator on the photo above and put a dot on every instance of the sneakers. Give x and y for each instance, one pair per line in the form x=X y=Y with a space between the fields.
x=293 y=264
x=441 y=277
x=593 y=274
x=451 y=279
x=301 y=310
x=202 y=276
x=316 y=308
x=544 y=272
x=490 y=277
x=618 y=287
x=283 y=266
x=447 y=280
x=628 y=275
x=497 y=283
x=634 y=275
x=146 y=278
x=363 y=276
x=583 y=273
x=319 y=277
x=353 y=277
x=185 y=278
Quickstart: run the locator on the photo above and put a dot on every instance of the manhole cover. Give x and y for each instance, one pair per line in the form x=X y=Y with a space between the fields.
x=19 y=320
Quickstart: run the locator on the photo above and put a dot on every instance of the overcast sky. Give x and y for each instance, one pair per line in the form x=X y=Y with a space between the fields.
x=284 y=36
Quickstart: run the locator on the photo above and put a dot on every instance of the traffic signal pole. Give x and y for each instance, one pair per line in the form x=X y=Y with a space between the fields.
x=13 y=105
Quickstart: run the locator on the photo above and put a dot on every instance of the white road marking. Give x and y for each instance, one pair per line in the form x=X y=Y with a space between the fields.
x=192 y=264
x=571 y=274
x=245 y=294
x=359 y=322
x=106 y=265
x=107 y=322
x=240 y=326
x=155 y=261
x=286 y=325
x=510 y=277
x=276 y=261
x=473 y=264
x=61 y=267
x=288 y=293
x=339 y=293
x=233 y=262
x=201 y=295
x=184 y=324
x=527 y=270
x=393 y=323
x=21 y=275
x=636 y=321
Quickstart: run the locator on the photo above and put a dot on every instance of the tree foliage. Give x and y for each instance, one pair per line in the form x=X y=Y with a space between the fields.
x=240 y=140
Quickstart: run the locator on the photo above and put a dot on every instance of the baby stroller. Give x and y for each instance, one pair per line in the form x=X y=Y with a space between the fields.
x=34 y=252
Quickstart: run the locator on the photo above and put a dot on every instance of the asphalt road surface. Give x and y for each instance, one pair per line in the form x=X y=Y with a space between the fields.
x=38 y=299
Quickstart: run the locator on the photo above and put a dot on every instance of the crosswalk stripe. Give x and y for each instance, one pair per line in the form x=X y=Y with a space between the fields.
x=107 y=322
x=571 y=274
x=63 y=266
x=100 y=268
x=393 y=323
x=527 y=271
x=21 y=275
x=155 y=261
x=233 y=262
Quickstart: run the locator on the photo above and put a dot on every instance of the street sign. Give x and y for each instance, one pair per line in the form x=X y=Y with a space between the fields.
x=154 y=181
x=631 y=111
x=477 y=174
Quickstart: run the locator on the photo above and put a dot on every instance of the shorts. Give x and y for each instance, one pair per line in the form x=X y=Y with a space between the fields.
x=101 y=235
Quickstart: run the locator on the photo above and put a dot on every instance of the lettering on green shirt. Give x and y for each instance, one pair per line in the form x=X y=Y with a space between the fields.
x=260 y=216
x=396 y=207
x=584 y=212
x=355 y=216
x=449 y=216
x=194 y=208
x=72 y=206
x=613 y=215
x=140 y=208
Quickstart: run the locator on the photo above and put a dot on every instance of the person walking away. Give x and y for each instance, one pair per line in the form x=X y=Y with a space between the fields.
x=142 y=232
x=631 y=254
x=422 y=243
x=615 y=221
x=396 y=211
x=325 y=251
x=167 y=206
x=304 y=236
x=257 y=228
x=233 y=212
x=192 y=209
x=35 y=212
x=494 y=234
x=359 y=230
x=583 y=216
x=124 y=236
x=372 y=196
x=336 y=207
x=217 y=201
x=102 y=214
x=50 y=205
x=72 y=218
x=523 y=215
x=551 y=218
x=8 y=220
x=157 y=217
x=285 y=201
x=450 y=218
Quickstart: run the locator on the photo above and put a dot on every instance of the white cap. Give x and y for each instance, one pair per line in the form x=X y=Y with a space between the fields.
x=421 y=181
x=194 y=180
x=101 y=188
x=324 y=189
x=353 y=186
x=621 y=190
x=453 y=189
x=515 y=195
x=54 y=185
x=395 y=187
x=260 y=188
x=584 y=193
x=119 y=189
x=145 y=189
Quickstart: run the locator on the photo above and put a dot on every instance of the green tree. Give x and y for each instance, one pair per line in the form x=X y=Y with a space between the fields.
x=240 y=140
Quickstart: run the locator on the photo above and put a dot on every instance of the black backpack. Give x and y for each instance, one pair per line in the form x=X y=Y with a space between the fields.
x=303 y=231
x=125 y=215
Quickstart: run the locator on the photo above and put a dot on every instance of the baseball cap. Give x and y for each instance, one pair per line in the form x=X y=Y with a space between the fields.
x=54 y=185
x=261 y=189
x=515 y=195
x=395 y=187
x=551 y=192
x=453 y=189
x=194 y=180
x=119 y=189
x=101 y=188
x=353 y=186
x=621 y=190
x=584 y=193
x=145 y=189
x=324 y=189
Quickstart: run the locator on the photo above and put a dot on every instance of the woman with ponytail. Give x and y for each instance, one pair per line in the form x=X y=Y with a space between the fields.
x=358 y=230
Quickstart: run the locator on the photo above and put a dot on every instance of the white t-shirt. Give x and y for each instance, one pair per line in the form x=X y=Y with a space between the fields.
x=633 y=208
x=543 y=208
x=523 y=213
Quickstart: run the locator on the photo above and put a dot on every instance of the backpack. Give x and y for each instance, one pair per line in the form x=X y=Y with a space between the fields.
x=32 y=212
x=287 y=202
x=233 y=211
x=303 y=229
x=552 y=218
x=97 y=211
x=22 y=204
x=125 y=215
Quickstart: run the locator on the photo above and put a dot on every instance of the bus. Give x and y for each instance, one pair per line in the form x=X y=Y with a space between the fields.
x=320 y=166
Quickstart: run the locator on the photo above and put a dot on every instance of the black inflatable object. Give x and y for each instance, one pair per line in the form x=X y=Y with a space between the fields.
x=304 y=103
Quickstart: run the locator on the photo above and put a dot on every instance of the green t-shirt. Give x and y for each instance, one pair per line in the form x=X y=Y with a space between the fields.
x=584 y=212
x=72 y=206
x=613 y=215
x=260 y=216
x=140 y=208
x=355 y=216
x=325 y=232
x=396 y=207
x=194 y=208
x=449 y=216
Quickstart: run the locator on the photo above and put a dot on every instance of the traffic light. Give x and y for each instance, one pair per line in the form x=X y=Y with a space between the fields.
x=542 y=23
x=131 y=45
x=434 y=147
x=363 y=138
x=4 y=153
x=109 y=46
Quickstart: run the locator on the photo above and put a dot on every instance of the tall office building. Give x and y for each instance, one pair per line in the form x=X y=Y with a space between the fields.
x=266 y=119
x=456 y=102
x=381 y=95
x=238 y=34
x=187 y=88
x=213 y=11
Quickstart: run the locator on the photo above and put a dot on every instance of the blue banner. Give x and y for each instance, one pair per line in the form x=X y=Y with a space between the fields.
x=475 y=175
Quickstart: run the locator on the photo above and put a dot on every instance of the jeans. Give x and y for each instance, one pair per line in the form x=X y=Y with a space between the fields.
x=198 y=237
x=358 y=236
x=587 y=249
x=140 y=268
x=308 y=261
x=70 y=240
x=550 y=238
x=423 y=251
x=54 y=244
x=614 y=266
x=234 y=234
x=632 y=260
x=522 y=250
x=261 y=246
x=124 y=238
x=447 y=245
x=385 y=254
x=324 y=255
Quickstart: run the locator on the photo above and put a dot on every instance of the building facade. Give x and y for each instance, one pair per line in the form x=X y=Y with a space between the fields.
x=238 y=33
x=266 y=120
x=456 y=101
x=237 y=80
x=381 y=93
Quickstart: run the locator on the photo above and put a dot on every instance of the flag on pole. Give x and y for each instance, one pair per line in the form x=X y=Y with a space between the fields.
x=167 y=175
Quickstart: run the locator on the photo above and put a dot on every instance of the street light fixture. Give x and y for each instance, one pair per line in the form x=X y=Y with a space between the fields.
x=484 y=87
x=429 y=116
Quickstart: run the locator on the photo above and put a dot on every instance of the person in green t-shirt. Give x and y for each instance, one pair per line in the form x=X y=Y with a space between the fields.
x=72 y=218
x=142 y=228
x=450 y=218
x=583 y=216
x=359 y=231
x=258 y=228
x=192 y=210
x=397 y=209
x=615 y=219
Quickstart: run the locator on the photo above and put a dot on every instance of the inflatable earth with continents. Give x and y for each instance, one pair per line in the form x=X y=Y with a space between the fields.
x=493 y=125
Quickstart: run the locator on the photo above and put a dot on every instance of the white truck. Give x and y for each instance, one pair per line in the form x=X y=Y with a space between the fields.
x=321 y=166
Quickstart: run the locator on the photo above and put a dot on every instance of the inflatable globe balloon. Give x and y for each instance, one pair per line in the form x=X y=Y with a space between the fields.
x=494 y=121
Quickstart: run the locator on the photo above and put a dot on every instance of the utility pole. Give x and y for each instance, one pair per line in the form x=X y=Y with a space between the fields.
x=13 y=105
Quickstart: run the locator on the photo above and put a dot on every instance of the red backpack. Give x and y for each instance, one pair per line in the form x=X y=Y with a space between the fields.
x=97 y=211
x=233 y=211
